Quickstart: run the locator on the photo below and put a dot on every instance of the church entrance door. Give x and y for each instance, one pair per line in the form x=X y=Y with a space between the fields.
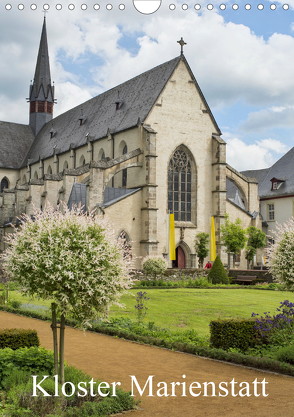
x=180 y=258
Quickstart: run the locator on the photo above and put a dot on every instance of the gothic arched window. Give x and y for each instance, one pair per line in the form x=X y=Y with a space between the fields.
x=124 y=239
x=82 y=160
x=179 y=186
x=125 y=171
x=4 y=184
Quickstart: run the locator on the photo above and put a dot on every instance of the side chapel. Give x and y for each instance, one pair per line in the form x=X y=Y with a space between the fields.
x=145 y=148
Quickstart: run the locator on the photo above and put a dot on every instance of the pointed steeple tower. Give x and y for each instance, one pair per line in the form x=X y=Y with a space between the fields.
x=41 y=91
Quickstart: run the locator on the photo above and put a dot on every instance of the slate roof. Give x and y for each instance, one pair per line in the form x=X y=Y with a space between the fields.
x=136 y=98
x=283 y=169
x=42 y=76
x=113 y=195
x=15 y=140
x=78 y=196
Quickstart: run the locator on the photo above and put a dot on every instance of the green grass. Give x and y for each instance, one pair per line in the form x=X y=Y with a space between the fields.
x=186 y=308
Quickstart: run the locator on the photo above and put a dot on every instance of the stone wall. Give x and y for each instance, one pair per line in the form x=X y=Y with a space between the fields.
x=175 y=274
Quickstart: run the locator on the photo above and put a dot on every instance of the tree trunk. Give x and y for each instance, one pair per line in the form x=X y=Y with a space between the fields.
x=61 y=349
x=7 y=289
x=248 y=264
x=55 y=345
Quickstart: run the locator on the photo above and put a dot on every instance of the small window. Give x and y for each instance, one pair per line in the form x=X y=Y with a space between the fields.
x=4 y=184
x=82 y=160
x=271 y=211
x=102 y=156
x=275 y=185
x=35 y=175
x=65 y=165
x=49 y=170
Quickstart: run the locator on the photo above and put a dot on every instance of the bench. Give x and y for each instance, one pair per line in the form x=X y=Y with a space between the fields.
x=243 y=279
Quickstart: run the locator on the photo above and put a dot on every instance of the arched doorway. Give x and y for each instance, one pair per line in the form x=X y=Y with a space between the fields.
x=180 y=258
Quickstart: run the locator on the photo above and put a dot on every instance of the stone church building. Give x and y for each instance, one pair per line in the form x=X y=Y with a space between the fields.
x=145 y=148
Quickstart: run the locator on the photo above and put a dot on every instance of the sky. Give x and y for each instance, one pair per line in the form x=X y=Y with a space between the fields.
x=242 y=60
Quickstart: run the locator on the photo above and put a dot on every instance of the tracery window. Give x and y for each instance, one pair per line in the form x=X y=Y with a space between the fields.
x=179 y=186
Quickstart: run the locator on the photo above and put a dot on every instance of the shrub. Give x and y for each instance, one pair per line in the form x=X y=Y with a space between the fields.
x=15 y=304
x=20 y=402
x=286 y=354
x=237 y=334
x=154 y=265
x=20 y=397
x=18 y=338
x=277 y=329
x=217 y=274
x=34 y=360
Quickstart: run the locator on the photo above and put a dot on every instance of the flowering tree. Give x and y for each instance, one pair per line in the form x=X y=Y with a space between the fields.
x=4 y=279
x=280 y=255
x=72 y=259
x=154 y=265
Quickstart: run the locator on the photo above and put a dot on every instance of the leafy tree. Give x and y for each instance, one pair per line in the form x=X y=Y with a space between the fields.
x=71 y=258
x=256 y=239
x=154 y=265
x=218 y=274
x=233 y=236
x=280 y=255
x=249 y=254
x=201 y=247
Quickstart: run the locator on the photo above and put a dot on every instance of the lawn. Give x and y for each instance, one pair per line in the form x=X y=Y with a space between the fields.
x=188 y=308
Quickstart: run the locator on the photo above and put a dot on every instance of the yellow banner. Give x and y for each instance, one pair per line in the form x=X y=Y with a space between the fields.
x=172 y=240
x=212 y=241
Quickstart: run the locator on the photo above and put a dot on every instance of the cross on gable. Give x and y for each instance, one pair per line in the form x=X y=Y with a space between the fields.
x=182 y=43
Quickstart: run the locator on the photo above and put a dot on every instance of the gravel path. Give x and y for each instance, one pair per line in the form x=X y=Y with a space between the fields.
x=114 y=360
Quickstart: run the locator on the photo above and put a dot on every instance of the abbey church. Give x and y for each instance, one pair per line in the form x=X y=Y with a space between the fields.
x=135 y=153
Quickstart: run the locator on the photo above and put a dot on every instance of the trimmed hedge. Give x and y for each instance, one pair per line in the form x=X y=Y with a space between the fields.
x=232 y=333
x=218 y=354
x=18 y=338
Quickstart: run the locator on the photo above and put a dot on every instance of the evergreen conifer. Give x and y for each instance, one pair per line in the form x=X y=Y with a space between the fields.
x=217 y=274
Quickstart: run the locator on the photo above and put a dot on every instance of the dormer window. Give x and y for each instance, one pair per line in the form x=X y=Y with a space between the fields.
x=276 y=183
x=82 y=118
x=118 y=105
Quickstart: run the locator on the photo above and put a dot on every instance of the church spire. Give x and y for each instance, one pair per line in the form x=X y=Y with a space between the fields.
x=41 y=91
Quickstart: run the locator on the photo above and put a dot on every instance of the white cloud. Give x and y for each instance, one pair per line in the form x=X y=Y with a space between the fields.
x=269 y=118
x=261 y=154
x=230 y=62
